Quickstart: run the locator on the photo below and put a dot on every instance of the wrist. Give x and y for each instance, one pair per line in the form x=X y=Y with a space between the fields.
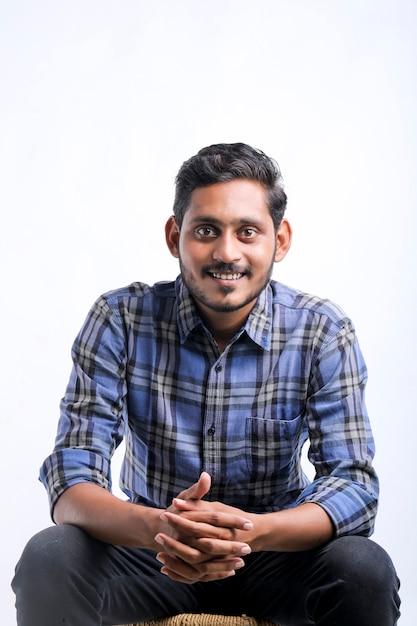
x=257 y=537
x=146 y=525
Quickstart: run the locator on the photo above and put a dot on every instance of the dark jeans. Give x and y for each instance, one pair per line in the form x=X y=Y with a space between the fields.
x=66 y=577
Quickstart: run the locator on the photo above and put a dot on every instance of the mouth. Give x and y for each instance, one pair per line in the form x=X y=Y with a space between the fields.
x=226 y=275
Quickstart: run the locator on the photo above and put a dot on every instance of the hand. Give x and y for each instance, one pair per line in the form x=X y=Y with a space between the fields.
x=201 y=543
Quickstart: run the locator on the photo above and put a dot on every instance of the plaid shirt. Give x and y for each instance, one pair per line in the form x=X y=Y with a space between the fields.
x=146 y=369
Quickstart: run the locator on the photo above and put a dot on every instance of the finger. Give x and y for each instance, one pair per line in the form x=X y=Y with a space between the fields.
x=180 y=550
x=197 y=512
x=176 y=569
x=195 y=528
x=201 y=549
x=190 y=581
x=211 y=570
x=199 y=489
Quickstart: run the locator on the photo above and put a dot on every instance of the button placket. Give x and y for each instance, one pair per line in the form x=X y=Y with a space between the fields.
x=212 y=421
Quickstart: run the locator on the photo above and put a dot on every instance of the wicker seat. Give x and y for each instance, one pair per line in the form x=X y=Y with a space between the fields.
x=205 y=619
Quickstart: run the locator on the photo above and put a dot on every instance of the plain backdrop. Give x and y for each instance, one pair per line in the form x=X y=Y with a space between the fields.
x=100 y=103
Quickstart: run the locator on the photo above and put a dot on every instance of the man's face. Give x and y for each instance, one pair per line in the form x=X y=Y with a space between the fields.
x=227 y=246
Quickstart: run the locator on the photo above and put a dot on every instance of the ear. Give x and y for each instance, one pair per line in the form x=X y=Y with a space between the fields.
x=172 y=236
x=284 y=237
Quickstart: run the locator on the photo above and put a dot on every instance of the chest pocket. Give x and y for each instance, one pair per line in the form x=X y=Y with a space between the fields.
x=273 y=446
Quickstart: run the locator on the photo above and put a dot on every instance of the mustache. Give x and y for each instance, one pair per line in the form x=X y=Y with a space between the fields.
x=223 y=268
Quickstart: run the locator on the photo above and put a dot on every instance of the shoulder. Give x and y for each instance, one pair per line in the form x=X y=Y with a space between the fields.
x=299 y=305
x=138 y=293
x=133 y=300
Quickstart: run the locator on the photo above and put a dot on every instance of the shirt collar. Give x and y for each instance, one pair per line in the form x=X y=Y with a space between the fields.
x=257 y=326
x=187 y=314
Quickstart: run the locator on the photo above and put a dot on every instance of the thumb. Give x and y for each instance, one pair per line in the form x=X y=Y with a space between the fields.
x=199 y=489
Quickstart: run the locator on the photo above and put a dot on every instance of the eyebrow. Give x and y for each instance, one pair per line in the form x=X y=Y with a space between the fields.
x=208 y=219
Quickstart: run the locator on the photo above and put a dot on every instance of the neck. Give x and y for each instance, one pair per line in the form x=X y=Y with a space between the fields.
x=224 y=325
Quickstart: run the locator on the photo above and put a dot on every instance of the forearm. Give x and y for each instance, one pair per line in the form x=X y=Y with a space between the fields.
x=212 y=535
x=301 y=528
x=107 y=518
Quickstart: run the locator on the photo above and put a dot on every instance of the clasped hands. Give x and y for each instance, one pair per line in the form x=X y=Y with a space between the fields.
x=201 y=541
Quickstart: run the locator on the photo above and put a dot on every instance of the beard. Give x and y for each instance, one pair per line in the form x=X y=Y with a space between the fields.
x=200 y=295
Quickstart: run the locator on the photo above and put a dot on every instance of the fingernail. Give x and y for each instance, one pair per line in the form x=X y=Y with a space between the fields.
x=159 y=539
x=247 y=526
x=245 y=550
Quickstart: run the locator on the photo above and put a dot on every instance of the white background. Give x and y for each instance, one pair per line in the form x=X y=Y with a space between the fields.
x=101 y=101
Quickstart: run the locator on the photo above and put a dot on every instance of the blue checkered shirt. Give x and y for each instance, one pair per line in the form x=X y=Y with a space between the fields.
x=146 y=369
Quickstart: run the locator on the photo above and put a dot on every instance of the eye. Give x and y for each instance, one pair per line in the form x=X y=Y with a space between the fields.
x=248 y=233
x=205 y=232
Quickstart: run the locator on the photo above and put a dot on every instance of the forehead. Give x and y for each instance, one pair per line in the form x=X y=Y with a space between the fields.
x=237 y=200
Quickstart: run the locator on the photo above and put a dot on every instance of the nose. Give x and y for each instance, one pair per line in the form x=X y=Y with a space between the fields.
x=227 y=248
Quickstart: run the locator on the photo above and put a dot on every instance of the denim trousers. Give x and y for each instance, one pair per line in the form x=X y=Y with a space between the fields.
x=65 y=577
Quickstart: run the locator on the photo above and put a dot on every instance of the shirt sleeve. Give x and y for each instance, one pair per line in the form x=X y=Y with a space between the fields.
x=91 y=423
x=341 y=441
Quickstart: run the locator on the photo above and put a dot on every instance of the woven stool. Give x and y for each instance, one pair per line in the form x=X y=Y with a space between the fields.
x=205 y=619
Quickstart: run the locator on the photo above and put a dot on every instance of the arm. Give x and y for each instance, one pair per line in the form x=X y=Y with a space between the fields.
x=341 y=441
x=77 y=474
x=304 y=527
x=109 y=519
x=204 y=524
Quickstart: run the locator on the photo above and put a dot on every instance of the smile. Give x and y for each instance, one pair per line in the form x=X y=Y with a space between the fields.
x=235 y=276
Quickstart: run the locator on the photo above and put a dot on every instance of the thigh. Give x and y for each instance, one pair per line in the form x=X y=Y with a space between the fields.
x=137 y=591
x=94 y=583
x=330 y=585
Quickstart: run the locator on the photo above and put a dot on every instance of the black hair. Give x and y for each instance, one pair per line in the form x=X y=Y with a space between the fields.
x=224 y=162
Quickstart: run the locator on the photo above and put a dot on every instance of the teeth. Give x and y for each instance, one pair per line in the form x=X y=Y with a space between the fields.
x=228 y=276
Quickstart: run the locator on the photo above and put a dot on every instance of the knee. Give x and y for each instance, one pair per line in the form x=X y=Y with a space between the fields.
x=356 y=573
x=360 y=562
x=48 y=555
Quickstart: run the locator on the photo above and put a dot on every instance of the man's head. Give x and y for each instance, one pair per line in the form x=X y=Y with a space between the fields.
x=228 y=231
x=224 y=162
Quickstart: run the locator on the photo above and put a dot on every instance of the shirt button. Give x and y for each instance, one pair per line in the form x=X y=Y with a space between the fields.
x=218 y=368
x=211 y=431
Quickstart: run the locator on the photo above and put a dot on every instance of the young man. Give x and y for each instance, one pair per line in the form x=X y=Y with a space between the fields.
x=215 y=381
